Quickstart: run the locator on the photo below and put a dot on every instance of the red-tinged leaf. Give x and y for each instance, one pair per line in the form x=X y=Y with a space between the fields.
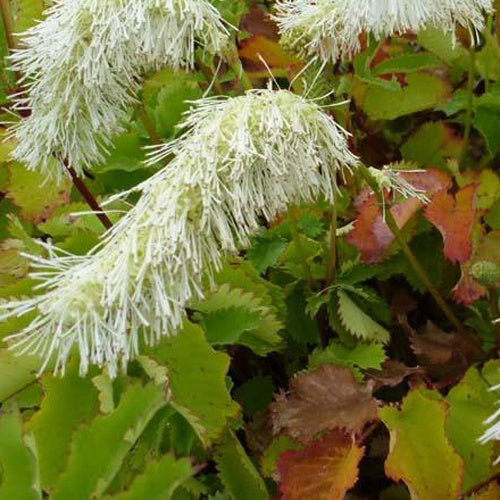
x=324 y=470
x=257 y=47
x=327 y=398
x=467 y=290
x=258 y=22
x=420 y=453
x=371 y=235
x=454 y=217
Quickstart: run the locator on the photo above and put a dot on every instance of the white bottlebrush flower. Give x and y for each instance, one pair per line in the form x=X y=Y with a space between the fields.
x=392 y=179
x=241 y=159
x=331 y=29
x=81 y=69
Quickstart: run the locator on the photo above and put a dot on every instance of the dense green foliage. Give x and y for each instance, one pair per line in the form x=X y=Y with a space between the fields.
x=322 y=364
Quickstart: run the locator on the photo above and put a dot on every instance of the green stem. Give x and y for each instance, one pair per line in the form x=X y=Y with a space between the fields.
x=240 y=73
x=410 y=257
x=206 y=71
x=493 y=41
x=234 y=62
x=487 y=63
x=297 y=239
x=497 y=22
x=7 y=24
x=148 y=124
x=331 y=266
x=470 y=106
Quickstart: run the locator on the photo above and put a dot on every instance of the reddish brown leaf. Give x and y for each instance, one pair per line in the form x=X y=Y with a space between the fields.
x=445 y=354
x=257 y=48
x=467 y=290
x=371 y=235
x=454 y=217
x=327 y=398
x=393 y=373
x=258 y=22
x=323 y=470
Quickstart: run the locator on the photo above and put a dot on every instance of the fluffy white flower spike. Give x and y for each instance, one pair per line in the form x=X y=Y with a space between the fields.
x=330 y=29
x=81 y=68
x=242 y=158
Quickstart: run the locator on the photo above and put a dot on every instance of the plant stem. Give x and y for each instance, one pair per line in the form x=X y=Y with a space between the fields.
x=7 y=24
x=233 y=60
x=209 y=77
x=9 y=30
x=410 y=257
x=297 y=239
x=148 y=124
x=331 y=265
x=89 y=197
x=497 y=22
x=470 y=105
x=238 y=70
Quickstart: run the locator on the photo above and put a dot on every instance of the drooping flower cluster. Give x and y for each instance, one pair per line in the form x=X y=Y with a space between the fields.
x=242 y=158
x=331 y=29
x=81 y=66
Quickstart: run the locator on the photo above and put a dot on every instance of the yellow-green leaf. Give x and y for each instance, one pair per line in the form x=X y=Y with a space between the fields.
x=420 y=453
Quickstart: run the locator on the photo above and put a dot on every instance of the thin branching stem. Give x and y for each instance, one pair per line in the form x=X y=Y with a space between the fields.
x=331 y=265
x=297 y=239
x=409 y=255
x=470 y=106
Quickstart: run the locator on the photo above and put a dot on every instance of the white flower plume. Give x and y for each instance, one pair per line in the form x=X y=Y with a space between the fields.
x=330 y=29
x=242 y=158
x=391 y=178
x=81 y=69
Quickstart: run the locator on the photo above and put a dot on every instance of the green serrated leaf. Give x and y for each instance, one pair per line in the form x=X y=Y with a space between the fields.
x=362 y=356
x=265 y=251
x=166 y=96
x=246 y=277
x=99 y=448
x=237 y=472
x=36 y=196
x=158 y=481
x=231 y=316
x=407 y=63
x=53 y=425
x=441 y=43
x=197 y=381
x=428 y=146
x=255 y=394
x=26 y=13
x=420 y=454
x=16 y=372
x=18 y=472
x=471 y=403
x=422 y=92
x=357 y=322
x=299 y=325
x=493 y=216
x=269 y=461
